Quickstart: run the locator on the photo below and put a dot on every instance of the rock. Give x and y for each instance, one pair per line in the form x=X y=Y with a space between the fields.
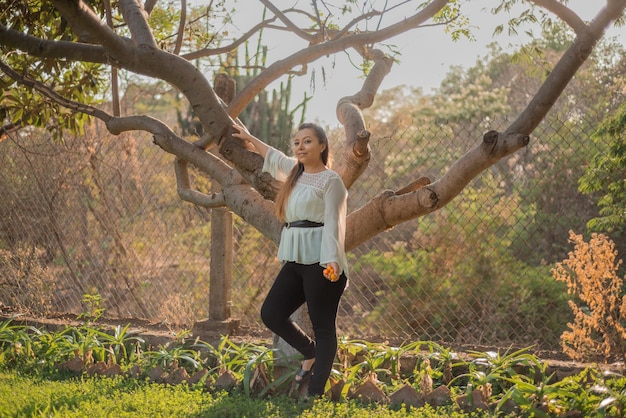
x=509 y=407
x=336 y=387
x=439 y=397
x=259 y=380
x=226 y=381
x=473 y=402
x=113 y=370
x=178 y=376
x=300 y=390
x=74 y=365
x=97 y=368
x=135 y=371
x=208 y=383
x=197 y=376
x=408 y=396
x=156 y=374
x=369 y=392
x=426 y=381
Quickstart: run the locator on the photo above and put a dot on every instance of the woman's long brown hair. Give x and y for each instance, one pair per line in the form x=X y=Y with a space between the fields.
x=298 y=169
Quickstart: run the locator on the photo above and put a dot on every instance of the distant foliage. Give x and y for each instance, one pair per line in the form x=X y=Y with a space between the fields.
x=605 y=175
x=599 y=326
x=26 y=282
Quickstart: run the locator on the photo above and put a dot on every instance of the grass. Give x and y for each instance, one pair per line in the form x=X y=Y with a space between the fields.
x=34 y=396
x=120 y=397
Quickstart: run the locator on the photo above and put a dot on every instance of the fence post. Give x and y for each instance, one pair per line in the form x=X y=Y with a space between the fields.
x=221 y=269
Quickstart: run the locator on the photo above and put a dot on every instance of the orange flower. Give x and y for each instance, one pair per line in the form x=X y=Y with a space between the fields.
x=329 y=272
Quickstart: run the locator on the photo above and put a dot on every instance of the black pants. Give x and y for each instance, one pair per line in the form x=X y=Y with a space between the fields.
x=295 y=285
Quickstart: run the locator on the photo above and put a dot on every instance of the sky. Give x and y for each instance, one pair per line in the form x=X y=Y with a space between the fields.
x=426 y=54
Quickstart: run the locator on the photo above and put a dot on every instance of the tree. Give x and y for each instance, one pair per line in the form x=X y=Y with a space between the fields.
x=61 y=49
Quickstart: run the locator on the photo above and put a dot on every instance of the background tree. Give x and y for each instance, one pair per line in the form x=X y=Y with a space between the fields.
x=519 y=211
x=57 y=52
x=606 y=177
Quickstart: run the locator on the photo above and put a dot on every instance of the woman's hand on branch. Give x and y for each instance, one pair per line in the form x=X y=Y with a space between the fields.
x=242 y=133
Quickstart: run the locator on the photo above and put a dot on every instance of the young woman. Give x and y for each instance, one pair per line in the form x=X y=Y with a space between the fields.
x=312 y=203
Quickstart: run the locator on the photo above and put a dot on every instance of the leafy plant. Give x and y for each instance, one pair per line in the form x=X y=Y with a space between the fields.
x=496 y=370
x=83 y=342
x=357 y=360
x=15 y=341
x=172 y=356
x=259 y=371
x=93 y=309
x=599 y=326
x=119 y=343
x=226 y=356
x=614 y=404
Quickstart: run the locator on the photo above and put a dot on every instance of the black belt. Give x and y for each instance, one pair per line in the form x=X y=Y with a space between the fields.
x=303 y=224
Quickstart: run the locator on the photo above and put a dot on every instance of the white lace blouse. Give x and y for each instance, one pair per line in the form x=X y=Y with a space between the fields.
x=319 y=197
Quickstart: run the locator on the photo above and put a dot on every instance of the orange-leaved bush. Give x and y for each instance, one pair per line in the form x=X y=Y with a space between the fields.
x=591 y=274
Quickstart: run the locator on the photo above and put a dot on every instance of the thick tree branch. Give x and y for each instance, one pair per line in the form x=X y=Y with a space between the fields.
x=151 y=61
x=495 y=146
x=41 y=48
x=146 y=61
x=83 y=20
x=212 y=165
x=179 y=72
x=356 y=154
x=607 y=15
x=238 y=195
x=246 y=199
x=137 y=20
x=395 y=208
x=186 y=193
x=149 y=5
x=225 y=88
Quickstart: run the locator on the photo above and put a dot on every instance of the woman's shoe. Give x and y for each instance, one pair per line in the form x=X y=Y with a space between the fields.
x=303 y=375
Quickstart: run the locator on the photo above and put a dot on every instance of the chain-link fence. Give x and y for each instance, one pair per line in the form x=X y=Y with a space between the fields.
x=99 y=215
